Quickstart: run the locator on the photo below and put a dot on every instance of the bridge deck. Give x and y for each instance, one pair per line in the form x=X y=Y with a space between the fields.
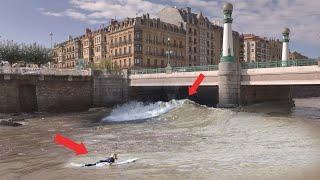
x=295 y=75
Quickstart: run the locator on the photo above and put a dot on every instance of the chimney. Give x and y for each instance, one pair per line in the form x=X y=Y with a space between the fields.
x=69 y=37
x=88 y=31
x=189 y=10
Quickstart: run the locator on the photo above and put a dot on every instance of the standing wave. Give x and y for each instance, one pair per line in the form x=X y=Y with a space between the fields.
x=134 y=110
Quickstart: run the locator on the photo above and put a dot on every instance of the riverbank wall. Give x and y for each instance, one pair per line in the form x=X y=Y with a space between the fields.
x=44 y=93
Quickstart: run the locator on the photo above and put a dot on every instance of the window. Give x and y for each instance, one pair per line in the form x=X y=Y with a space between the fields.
x=138 y=48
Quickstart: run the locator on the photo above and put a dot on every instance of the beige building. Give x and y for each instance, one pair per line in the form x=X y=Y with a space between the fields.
x=66 y=53
x=295 y=55
x=203 y=38
x=100 y=46
x=261 y=49
x=143 y=42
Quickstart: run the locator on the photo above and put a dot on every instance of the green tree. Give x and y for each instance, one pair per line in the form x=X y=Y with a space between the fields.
x=33 y=54
x=36 y=54
x=10 y=51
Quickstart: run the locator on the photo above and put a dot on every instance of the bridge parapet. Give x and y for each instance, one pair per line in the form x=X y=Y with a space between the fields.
x=251 y=65
x=279 y=64
x=44 y=71
x=175 y=69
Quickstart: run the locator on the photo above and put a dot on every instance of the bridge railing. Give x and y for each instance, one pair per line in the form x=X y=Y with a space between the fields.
x=174 y=69
x=273 y=64
x=44 y=71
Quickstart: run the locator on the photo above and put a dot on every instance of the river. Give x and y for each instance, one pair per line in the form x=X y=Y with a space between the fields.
x=171 y=140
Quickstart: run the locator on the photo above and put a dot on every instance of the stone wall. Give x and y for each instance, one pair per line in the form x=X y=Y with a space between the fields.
x=306 y=91
x=9 y=97
x=257 y=94
x=60 y=96
x=26 y=93
x=109 y=89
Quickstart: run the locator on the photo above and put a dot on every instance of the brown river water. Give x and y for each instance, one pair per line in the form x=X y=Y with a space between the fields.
x=171 y=140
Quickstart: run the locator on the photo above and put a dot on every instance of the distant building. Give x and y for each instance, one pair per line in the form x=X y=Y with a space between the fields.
x=65 y=54
x=133 y=42
x=203 y=38
x=261 y=49
x=295 y=55
x=145 y=42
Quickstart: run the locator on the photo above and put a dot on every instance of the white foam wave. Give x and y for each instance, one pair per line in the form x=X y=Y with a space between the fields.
x=138 y=110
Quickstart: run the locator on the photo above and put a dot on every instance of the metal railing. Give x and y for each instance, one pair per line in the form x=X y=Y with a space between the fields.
x=196 y=68
x=148 y=71
x=175 y=69
x=44 y=71
x=252 y=65
x=273 y=64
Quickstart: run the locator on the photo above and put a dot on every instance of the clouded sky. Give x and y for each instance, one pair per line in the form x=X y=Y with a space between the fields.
x=33 y=20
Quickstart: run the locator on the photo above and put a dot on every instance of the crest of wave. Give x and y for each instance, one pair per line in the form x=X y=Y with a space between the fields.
x=138 y=110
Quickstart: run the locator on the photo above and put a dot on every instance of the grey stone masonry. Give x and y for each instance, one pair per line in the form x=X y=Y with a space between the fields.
x=229 y=84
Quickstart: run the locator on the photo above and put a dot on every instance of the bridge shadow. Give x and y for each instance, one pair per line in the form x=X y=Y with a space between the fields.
x=206 y=95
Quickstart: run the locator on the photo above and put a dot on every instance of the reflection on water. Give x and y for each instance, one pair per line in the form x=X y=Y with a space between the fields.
x=183 y=140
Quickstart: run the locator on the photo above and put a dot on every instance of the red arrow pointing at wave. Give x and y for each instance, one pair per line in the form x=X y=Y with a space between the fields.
x=193 y=89
x=77 y=148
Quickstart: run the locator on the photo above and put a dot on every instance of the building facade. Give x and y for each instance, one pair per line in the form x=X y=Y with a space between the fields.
x=146 y=42
x=65 y=54
x=295 y=56
x=261 y=49
x=203 y=38
x=177 y=37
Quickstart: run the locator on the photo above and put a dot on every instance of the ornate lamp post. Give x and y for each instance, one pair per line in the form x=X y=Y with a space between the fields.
x=285 y=46
x=169 y=52
x=227 y=52
x=51 y=37
x=229 y=78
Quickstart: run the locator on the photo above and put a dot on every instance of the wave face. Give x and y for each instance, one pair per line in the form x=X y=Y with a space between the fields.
x=134 y=110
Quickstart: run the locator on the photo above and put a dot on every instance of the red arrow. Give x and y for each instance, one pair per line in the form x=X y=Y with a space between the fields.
x=77 y=148
x=193 y=89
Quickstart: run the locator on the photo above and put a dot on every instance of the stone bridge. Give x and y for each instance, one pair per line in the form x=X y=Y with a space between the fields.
x=258 y=83
x=297 y=75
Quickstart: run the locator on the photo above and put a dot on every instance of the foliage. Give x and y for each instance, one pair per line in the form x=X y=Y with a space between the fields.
x=10 y=51
x=105 y=65
x=31 y=54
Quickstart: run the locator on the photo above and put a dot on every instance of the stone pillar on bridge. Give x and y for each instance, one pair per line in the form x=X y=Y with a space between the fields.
x=229 y=77
x=285 y=46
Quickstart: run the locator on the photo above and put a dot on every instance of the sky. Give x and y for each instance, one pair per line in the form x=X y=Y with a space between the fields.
x=31 y=21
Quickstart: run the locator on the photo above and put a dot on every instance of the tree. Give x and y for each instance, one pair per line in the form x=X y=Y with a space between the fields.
x=10 y=51
x=106 y=65
x=36 y=54
x=33 y=53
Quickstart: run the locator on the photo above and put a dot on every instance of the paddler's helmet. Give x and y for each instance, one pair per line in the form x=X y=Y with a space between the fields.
x=114 y=155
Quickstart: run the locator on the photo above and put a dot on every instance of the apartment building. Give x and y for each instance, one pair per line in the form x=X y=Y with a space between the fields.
x=100 y=46
x=261 y=49
x=183 y=37
x=203 y=38
x=296 y=55
x=66 y=53
x=145 y=42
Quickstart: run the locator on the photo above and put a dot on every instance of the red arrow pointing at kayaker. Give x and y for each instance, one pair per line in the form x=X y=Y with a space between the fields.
x=193 y=89
x=77 y=148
